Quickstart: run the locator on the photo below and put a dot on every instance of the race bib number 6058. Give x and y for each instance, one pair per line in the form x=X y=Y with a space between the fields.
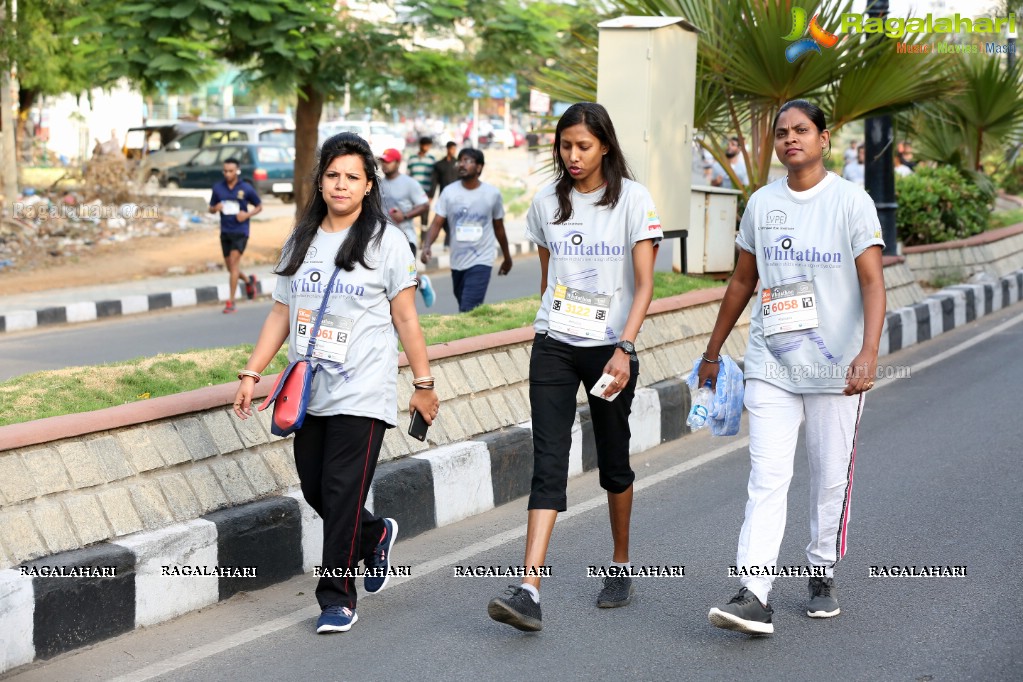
x=789 y=307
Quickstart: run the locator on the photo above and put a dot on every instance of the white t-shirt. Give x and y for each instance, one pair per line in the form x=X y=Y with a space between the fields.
x=854 y=172
x=365 y=383
x=739 y=167
x=591 y=252
x=806 y=245
x=471 y=214
x=403 y=193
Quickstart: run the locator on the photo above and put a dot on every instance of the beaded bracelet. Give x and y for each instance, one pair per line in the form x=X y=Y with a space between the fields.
x=250 y=373
x=706 y=359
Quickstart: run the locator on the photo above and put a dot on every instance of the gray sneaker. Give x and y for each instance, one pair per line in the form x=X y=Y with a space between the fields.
x=744 y=613
x=617 y=591
x=823 y=598
x=516 y=608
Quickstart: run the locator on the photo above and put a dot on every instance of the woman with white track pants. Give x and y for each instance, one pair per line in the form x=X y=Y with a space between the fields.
x=813 y=242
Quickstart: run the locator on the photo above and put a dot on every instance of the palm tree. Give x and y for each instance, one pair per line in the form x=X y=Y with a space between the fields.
x=743 y=75
x=986 y=114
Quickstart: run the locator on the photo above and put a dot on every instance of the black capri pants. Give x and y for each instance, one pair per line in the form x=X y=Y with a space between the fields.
x=555 y=370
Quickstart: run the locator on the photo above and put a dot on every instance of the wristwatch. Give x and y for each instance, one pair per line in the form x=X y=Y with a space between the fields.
x=627 y=346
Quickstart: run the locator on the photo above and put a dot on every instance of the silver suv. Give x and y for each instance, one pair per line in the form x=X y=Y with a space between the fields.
x=185 y=147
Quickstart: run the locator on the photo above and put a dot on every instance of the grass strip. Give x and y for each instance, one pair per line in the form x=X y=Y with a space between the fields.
x=83 y=389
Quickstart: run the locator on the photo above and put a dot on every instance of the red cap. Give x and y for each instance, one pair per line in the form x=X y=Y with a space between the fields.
x=390 y=155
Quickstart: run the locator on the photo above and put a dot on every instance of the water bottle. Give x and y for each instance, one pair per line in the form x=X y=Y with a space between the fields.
x=701 y=407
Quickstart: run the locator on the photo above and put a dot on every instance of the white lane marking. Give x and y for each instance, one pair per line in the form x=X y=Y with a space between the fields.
x=244 y=636
x=221 y=645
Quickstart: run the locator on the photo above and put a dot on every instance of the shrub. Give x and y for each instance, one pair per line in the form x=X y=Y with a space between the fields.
x=939 y=205
x=1011 y=179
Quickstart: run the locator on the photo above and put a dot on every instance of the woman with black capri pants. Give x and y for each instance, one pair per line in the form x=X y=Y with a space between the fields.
x=597 y=232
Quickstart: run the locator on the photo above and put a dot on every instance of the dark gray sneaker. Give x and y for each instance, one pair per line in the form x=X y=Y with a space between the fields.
x=516 y=608
x=823 y=598
x=744 y=613
x=617 y=591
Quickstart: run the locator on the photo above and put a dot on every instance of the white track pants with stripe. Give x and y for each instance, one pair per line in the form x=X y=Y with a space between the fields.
x=775 y=415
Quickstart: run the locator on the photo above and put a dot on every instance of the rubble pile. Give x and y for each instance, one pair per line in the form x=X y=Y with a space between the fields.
x=42 y=228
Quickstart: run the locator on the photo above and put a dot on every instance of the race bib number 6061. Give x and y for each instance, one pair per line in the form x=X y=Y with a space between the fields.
x=332 y=338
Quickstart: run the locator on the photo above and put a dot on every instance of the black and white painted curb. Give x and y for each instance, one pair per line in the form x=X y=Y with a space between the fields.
x=947 y=309
x=152 y=576
x=88 y=311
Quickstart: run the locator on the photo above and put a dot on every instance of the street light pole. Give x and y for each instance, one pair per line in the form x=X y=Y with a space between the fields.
x=1011 y=56
x=879 y=172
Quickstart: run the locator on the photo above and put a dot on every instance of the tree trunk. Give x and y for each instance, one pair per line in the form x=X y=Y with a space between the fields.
x=26 y=100
x=9 y=158
x=307 y=121
x=9 y=161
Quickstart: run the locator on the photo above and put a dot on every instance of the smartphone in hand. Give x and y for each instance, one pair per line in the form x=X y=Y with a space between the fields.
x=418 y=426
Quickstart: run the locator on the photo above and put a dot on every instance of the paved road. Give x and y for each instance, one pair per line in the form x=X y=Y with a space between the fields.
x=172 y=331
x=936 y=476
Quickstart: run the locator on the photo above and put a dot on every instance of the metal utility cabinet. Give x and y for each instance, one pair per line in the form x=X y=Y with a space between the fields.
x=646 y=78
x=710 y=247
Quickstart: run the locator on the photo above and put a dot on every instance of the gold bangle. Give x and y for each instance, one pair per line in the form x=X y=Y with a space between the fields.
x=249 y=373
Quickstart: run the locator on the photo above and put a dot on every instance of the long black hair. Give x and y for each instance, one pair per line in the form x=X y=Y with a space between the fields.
x=368 y=226
x=812 y=111
x=613 y=164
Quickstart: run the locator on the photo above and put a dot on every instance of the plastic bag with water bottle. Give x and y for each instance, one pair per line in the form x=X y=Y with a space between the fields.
x=724 y=404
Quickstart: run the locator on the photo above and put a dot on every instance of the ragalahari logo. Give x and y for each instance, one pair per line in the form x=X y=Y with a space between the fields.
x=817 y=39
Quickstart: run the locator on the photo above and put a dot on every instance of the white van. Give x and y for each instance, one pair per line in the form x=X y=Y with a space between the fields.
x=377 y=133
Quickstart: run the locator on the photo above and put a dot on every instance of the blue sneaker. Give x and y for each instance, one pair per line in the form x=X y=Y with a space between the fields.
x=377 y=566
x=336 y=619
x=426 y=289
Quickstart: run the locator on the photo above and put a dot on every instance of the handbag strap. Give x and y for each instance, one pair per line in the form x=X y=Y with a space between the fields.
x=319 y=315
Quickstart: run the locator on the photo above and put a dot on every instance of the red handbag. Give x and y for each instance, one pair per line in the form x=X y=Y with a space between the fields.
x=290 y=394
x=290 y=397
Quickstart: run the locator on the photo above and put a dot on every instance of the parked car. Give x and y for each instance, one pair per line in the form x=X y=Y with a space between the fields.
x=279 y=120
x=270 y=168
x=505 y=138
x=386 y=136
x=185 y=147
x=376 y=133
x=145 y=140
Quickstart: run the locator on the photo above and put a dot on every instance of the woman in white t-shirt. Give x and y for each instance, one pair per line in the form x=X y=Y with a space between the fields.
x=597 y=232
x=354 y=394
x=813 y=241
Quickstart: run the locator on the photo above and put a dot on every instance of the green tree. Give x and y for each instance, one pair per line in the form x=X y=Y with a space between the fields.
x=309 y=49
x=432 y=80
x=985 y=116
x=49 y=56
x=743 y=76
x=499 y=38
